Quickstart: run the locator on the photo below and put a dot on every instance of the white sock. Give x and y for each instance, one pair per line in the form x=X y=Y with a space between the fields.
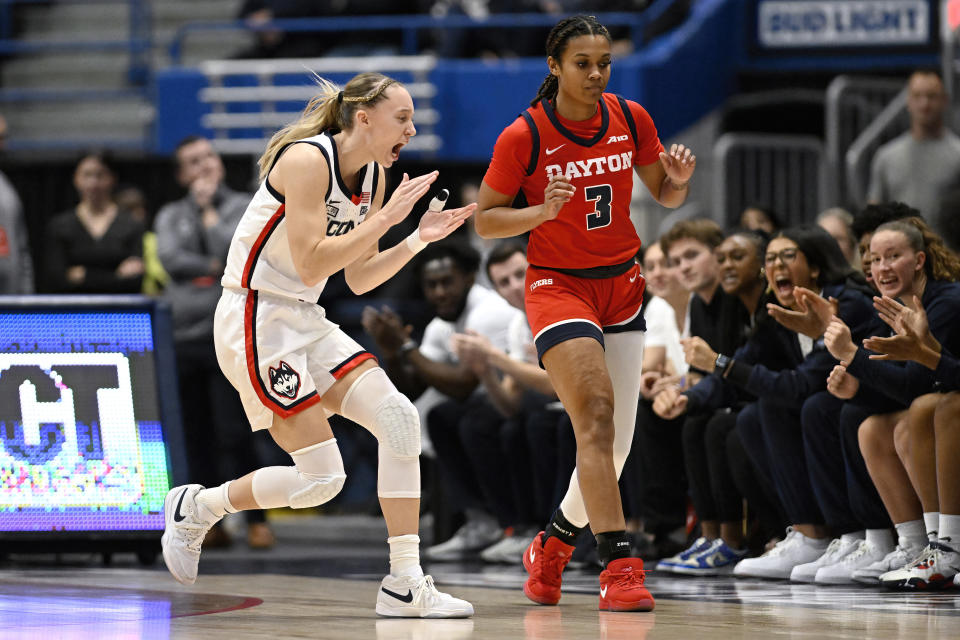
x=931 y=520
x=882 y=539
x=911 y=534
x=405 y=556
x=217 y=499
x=853 y=536
x=950 y=530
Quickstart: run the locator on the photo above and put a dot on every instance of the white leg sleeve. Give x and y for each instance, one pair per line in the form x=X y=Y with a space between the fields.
x=316 y=478
x=624 y=355
x=375 y=404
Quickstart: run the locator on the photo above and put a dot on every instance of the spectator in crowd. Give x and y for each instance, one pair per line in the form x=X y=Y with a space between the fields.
x=193 y=237
x=95 y=247
x=908 y=261
x=719 y=319
x=521 y=391
x=759 y=217
x=451 y=406
x=716 y=500
x=133 y=200
x=770 y=428
x=838 y=223
x=16 y=267
x=933 y=448
x=867 y=220
x=923 y=164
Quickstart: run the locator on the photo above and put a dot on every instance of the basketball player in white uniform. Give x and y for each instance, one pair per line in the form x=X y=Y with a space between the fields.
x=320 y=209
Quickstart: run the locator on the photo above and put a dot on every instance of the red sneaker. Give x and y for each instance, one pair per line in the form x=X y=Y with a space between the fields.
x=545 y=565
x=621 y=587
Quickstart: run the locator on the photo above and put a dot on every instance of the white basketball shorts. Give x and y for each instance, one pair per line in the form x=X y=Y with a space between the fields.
x=280 y=354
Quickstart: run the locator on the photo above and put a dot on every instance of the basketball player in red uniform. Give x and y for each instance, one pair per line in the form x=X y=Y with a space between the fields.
x=572 y=153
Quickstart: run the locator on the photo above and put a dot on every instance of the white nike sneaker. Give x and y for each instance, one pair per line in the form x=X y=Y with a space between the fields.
x=508 y=551
x=778 y=563
x=187 y=524
x=416 y=597
x=864 y=555
x=899 y=558
x=836 y=551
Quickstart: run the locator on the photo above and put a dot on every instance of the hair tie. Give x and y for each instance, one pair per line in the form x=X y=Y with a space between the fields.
x=340 y=97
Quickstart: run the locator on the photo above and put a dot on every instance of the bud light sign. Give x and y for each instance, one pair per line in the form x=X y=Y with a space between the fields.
x=843 y=23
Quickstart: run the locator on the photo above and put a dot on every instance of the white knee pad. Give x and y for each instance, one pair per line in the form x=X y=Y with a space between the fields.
x=374 y=403
x=316 y=478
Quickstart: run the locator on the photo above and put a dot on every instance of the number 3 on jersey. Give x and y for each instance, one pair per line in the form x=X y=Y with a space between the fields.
x=601 y=195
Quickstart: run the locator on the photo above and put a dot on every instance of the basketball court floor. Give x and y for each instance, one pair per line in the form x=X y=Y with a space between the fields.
x=321 y=581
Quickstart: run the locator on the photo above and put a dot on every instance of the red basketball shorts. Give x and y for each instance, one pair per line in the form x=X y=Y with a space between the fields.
x=561 y=306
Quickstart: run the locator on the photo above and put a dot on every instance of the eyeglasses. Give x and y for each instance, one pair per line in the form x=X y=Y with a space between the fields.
x=787 y=256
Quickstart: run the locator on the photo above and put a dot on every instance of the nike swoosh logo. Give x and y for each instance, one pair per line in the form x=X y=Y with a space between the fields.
x=633 y=278
x=533 y=556
x=176 y=512
x=555 y=149
x=407 y=598
x=603 y=591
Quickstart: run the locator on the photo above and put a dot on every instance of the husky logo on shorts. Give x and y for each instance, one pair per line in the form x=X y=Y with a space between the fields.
x=284 y=380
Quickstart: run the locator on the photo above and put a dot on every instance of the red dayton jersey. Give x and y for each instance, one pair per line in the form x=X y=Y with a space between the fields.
x=593 y=229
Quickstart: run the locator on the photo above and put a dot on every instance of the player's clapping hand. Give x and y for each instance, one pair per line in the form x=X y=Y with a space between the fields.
x=698 y=353
x=839 y=342
x=811 y=317
x=436 y=225
x=670 y=403
x=406 y=195
x=558 y=193
x=913 y=340
x=841 y=384
x=679 y=163
x=386 y=328
x=647 y=381
x=472 y=350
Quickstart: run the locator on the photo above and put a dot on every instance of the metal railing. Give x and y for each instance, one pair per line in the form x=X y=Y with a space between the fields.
x=889 y=123
x=852 y=104
x=785 y=172
x=249 y=131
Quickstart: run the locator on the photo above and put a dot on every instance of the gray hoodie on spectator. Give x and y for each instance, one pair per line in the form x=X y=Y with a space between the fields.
x=194 y=258
x=16 y=269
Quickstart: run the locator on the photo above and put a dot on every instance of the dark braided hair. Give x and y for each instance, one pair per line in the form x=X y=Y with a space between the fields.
x=560 y=35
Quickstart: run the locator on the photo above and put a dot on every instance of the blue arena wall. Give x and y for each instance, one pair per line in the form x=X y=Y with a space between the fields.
x=679 y=77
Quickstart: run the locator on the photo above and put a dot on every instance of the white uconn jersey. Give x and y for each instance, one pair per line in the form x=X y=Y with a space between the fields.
x=259 y=255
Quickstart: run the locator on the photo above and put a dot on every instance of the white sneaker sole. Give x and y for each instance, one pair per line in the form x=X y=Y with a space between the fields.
x=390 y=611
x=761 y=572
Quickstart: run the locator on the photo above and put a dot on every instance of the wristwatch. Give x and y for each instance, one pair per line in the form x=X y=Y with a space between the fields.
x=721 y=364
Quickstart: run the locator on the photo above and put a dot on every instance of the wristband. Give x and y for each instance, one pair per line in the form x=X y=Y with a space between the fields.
x=407 y=347
x=414 y=243
x=680 y=186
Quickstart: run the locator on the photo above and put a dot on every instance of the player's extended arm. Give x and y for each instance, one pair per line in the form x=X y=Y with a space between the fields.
x=301 y=175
